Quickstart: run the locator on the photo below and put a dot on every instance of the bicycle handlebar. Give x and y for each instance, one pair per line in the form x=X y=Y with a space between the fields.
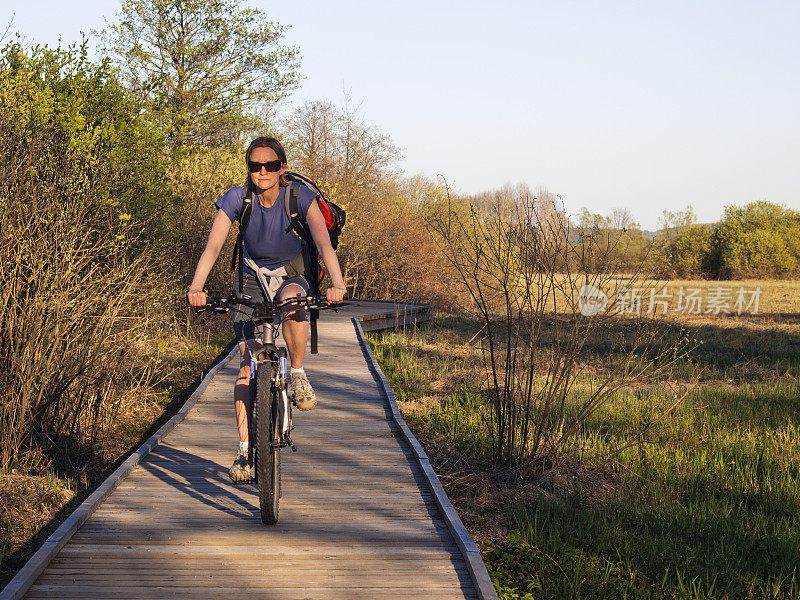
x=267 y=309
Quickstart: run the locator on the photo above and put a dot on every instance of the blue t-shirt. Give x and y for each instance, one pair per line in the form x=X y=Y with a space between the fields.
x=266 y=240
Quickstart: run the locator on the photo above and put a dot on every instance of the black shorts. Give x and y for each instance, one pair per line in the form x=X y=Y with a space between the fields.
x=244 y=326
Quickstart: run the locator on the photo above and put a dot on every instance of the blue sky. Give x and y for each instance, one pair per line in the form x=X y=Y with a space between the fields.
x=640 y=105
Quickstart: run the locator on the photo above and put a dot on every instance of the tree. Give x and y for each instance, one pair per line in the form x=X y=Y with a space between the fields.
x=622 y=218
x=761 y=239
x=202 y=65
x=618 y=235
x=314 y=139
x=673 y=223
x=589 y=221
x=691 y=253
x=385 y=251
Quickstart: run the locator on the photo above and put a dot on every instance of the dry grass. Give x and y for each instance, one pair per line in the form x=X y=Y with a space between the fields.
x=28 y=503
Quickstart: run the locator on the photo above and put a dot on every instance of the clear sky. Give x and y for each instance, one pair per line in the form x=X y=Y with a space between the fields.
x=636 y=104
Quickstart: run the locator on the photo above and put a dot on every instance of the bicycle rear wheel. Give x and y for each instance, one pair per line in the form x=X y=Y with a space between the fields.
x=268 y=458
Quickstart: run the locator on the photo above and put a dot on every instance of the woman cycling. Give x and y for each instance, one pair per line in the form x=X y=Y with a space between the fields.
x=273 y=269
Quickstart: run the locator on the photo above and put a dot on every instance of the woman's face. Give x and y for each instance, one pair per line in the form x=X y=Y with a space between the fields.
x=263 y=178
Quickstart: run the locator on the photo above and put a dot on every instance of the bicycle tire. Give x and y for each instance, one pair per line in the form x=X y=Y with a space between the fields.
x=268 y=458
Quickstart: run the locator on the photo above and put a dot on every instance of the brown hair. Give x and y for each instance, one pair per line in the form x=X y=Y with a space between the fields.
x=266 y=141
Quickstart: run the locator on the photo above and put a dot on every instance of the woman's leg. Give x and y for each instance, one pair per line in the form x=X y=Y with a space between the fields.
x=295 y=327
x=295 y=332
x=245 y=328
x=241 y=393
x=240 y=471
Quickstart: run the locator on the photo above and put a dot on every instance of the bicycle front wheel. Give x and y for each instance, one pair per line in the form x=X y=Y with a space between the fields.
x=268 y=464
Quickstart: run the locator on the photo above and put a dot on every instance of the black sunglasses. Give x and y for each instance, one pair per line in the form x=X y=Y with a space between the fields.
x=272 y=166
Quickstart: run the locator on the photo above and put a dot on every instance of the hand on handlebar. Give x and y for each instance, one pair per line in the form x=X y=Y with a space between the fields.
x=335 y=295
x=197 y=298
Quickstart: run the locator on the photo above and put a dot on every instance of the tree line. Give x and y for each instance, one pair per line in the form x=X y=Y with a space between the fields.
x=760 y=240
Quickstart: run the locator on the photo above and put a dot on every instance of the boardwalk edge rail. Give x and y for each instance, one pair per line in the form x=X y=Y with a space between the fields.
x=472 y=555
x=22 y=581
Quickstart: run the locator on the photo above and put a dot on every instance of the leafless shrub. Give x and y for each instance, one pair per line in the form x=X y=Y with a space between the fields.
x=523 y=271
x=385 y=251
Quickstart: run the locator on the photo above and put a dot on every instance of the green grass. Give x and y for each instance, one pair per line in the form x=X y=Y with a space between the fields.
x=707 y=507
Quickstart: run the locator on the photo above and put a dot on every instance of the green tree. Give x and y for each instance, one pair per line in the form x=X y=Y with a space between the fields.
x=673 y=223
x=202 y=65
x=618 y=235
x=691 y=252
x=100 y=126
x=761 y=239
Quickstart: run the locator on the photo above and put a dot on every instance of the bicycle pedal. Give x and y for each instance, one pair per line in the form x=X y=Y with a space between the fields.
x=294 y=448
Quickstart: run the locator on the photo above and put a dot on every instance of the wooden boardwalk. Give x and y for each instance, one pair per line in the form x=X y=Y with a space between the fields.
x=359 y=519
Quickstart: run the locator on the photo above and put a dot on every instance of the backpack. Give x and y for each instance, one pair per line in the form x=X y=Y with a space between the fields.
x=334 y=221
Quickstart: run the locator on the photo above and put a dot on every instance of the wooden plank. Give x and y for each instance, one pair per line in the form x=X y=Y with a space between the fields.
x=288 y=467
x=413 y=532
x=253 y=577
x=334 y=508
x=409 y=561
x=316 y=496
x=262 y=551
x=249 y=532
x=266 y=593
x=245 y=562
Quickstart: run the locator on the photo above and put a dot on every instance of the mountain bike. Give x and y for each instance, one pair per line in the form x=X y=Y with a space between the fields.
x=269 y=415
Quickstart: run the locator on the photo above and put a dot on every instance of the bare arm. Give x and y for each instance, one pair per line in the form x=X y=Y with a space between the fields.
x=216 y=239
x=316 y=223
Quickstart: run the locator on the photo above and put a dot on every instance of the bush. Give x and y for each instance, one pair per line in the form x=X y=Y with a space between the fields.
x=78 y=172
x=691 y=252
x=198 y=179
x=526 y=281
x=760 y=240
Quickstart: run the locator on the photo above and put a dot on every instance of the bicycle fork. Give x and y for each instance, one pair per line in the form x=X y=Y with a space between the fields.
x=284 y=407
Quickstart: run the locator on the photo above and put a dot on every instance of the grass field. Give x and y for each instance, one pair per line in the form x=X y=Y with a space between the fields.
x=708 y=506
